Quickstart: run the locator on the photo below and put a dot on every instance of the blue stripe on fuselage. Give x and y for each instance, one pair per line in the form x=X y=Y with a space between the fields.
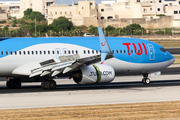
x=115 y=43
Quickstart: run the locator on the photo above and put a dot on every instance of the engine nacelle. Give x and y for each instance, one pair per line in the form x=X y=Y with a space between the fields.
x=94 y=74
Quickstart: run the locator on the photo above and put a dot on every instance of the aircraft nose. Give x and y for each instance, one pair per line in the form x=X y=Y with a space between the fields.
x=171 y=58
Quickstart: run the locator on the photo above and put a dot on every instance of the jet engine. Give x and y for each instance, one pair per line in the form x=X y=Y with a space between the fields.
x=93 y=74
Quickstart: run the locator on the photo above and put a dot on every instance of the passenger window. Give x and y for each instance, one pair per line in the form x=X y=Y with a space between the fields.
x=124 y=51
x=117 y=51
x=131 y=51
x=44 y=52
x=40 y=52
x=84 y=52
x=128 y=51
x=72 y=51
x=100 y=51
x=69 y=52
x=92 y=51
x=138 y=51
x=6 y=52
x=28 y=52
x=96 y=51
x=113 y=51
x=32 y=52
x=88 y=52
x=36 y=52
x=121 y=51
x=2 y=53
x=135 y=51
x=48 y=52
x=57 y=51
x=24 y=52
x=76 y=52
x=15 y=53
x=19 y=52
x=64 y=52
x=52 y=52
x=11 y=52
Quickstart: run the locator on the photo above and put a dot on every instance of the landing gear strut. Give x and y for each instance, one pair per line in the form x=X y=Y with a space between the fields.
x=48 y=84
x=13 y=83
x=146 y=80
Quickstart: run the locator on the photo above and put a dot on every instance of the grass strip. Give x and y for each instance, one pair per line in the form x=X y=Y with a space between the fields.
x=168 y=44
x=177 y=59
x=139 y=111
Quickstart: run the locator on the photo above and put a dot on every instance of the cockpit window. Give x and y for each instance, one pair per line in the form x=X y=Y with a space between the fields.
x=162 y=49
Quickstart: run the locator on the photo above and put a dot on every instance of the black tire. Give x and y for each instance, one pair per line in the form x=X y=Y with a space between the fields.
x=47 y=84
x=8 y=85
x=11 y=84
x=17 y=83
x=52 y=85
x=144 y=80
x=43 y=84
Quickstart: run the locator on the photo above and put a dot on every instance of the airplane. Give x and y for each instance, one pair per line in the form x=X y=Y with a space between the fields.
x=87 y=60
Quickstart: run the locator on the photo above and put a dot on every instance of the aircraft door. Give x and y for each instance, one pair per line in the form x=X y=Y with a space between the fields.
x=57 y=53
x=151 y=52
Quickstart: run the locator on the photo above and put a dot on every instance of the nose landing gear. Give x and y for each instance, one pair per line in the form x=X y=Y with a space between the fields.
x=146 y=80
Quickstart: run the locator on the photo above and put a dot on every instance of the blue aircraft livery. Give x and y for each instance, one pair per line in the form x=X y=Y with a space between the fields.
x=87 y=60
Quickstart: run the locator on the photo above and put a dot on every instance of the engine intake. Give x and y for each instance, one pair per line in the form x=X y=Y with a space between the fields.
x=94 y=74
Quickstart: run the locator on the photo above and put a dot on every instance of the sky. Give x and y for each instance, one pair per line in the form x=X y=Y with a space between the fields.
x=67 y=1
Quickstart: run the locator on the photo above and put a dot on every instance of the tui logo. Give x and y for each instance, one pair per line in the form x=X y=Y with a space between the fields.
x=103 y=44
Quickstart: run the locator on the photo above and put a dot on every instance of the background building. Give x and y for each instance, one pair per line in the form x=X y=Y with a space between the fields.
x=83 y=13
x=118 y=13
x=3 y=12
x=12 y=8
x=36 y=5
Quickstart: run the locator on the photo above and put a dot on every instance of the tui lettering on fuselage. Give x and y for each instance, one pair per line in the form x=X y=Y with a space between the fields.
x=135 y=48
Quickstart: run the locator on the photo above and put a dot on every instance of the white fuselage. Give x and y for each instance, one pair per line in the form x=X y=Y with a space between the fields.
x=42 y=52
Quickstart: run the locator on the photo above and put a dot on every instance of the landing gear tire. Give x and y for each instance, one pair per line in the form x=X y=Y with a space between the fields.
x=8 y=84
x=51 y=85
x=146 y=81
x=17 y=83
x=13 y=84
x=48 y=84
x=43 y=84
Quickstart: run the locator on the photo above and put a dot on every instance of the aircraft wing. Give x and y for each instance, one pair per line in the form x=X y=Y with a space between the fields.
x=67 y=64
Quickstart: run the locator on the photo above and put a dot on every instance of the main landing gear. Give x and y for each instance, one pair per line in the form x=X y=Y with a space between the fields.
x=13 y=83
x=48 y=84
x=146 y=80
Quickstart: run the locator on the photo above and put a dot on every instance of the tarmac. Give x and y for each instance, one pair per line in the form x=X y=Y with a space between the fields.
x=124 y=89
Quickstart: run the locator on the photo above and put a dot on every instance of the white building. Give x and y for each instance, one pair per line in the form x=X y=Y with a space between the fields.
x=36 y=5
x=126 y=9
x=13 y=8
x=169 y=8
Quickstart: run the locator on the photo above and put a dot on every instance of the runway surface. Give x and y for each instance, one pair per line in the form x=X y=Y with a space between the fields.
x=174 y=51
x=124 y=89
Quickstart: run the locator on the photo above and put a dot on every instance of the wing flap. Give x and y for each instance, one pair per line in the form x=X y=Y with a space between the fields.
x=66 y=64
